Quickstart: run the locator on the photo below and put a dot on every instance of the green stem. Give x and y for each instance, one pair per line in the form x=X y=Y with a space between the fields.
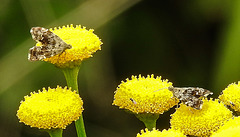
x=80 y=125
x=148 y=119
x=55 y=132
x=71 y=75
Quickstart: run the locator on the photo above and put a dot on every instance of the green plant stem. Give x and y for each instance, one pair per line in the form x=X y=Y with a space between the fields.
x=71 y=75
x=148 y=119
x=80 y=127
x=55 y=132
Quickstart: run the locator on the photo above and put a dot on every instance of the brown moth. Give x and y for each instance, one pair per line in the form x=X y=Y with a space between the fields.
x=51 y=44
x=190 y=96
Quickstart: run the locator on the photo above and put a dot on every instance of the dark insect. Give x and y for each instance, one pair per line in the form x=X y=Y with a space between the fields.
x=134 y=102
x=190 y=96
x=51 y=44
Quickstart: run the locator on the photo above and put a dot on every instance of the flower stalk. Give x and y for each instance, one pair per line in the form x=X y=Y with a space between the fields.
x=55 y=132
x=71 y=76
x=148 y=119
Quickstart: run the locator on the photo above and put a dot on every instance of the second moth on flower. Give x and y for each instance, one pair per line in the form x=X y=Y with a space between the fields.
x=190 y=96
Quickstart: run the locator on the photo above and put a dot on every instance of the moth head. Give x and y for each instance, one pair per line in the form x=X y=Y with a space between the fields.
x=207 y=92
x=37 y=33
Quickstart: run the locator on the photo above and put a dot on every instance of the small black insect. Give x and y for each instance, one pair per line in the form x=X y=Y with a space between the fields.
x=134 y=102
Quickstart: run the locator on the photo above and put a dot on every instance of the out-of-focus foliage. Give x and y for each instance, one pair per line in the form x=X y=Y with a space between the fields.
x=191 y=43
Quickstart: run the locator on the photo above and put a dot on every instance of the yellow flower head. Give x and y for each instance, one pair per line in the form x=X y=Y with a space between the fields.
x=52 y=108
x=142 y=95
x=157 y=133
x=231 y=96
x=229 y=132
x=200 y=122
x=84 y=44
x=230 y=129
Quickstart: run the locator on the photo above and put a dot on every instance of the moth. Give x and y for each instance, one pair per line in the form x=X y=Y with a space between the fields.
x=190 y=96
x=51 y=44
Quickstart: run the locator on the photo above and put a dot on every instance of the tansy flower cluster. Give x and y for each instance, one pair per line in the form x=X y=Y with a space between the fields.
x=84 y=43
x=146 y=97
x=143 y=95
x=50 y=108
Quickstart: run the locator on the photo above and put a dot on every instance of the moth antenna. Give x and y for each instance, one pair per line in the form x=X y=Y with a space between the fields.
x=161 y=89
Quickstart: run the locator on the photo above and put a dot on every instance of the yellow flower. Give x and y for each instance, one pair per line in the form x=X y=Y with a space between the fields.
x=231 y=96
x=157 y=133
x=52 y=108
x=142 y=95
x=200 y=122
x=84 y=44
x=230 y=132
x=234 y=122
x=230 y=129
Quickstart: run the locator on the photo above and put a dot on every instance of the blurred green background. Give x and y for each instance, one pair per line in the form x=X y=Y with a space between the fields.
x=191 y=43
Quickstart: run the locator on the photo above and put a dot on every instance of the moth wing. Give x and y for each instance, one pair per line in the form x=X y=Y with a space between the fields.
x=51 y=44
